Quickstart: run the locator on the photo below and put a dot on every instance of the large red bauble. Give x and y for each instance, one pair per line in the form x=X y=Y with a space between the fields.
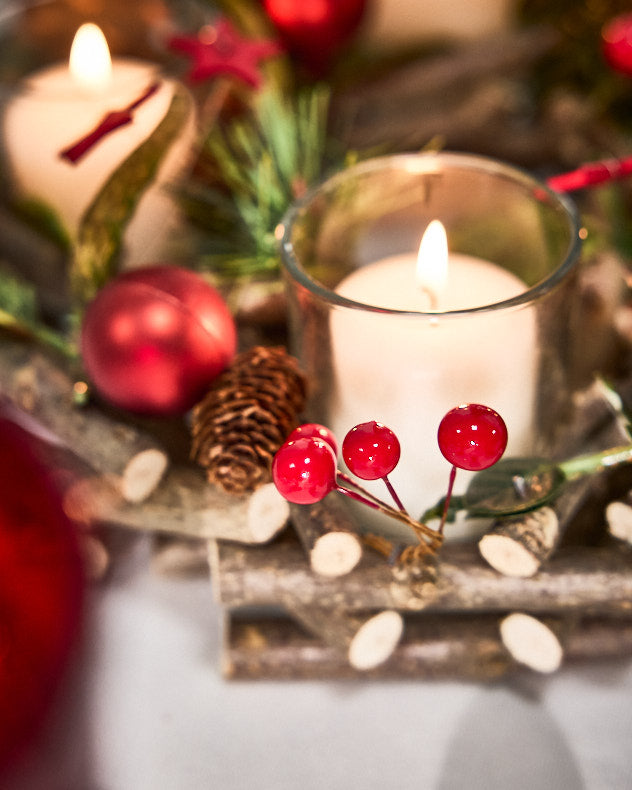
x=41 y=591
x=314 y=31
x=617 y=44
x=153 y=339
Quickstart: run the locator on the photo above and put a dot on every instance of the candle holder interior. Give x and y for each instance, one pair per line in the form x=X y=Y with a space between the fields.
x=519 y=346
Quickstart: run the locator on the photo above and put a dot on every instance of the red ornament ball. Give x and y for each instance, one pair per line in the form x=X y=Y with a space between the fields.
x=472 y=436
x=41 y=591
x=314 y=31
x=616 y=39
x=153 y=339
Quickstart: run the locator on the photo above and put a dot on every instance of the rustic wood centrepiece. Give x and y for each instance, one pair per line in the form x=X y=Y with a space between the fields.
x=294 y=610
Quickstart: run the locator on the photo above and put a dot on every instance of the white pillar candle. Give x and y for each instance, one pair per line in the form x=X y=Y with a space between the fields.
x=60 y=105
x=408 y=370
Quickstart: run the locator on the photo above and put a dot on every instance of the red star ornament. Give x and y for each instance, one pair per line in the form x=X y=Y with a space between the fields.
x=220 y=49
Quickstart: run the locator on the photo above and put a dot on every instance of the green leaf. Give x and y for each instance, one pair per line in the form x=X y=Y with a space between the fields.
x=516 y=485
x=18 y=301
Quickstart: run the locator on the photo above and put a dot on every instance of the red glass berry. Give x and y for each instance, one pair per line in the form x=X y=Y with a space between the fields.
x=317 y=430
x=304 y=470
x=371 y=450
x=472 y=436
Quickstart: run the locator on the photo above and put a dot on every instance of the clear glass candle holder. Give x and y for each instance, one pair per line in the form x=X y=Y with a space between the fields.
x=498 y=336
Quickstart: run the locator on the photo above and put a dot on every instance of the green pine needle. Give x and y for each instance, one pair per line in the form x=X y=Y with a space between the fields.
x=262 y=163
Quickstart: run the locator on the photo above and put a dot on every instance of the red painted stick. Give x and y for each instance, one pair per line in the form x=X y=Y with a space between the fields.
x=591 y=174
x=113 y=120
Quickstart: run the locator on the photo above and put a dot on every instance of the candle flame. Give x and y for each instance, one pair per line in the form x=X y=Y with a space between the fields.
x=90 y=63
x=432 y=262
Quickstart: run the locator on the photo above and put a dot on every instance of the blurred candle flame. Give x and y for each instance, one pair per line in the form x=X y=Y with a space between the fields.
x=432 y=262
x=90 y=62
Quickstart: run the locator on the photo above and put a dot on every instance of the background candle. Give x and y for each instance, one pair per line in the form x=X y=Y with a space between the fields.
x=55 y=108
x=407 y=372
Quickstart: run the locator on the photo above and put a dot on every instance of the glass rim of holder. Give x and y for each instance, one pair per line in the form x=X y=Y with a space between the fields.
x=431 y=163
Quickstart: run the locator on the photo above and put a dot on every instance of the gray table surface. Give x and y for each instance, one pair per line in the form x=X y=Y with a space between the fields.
x=148 y=709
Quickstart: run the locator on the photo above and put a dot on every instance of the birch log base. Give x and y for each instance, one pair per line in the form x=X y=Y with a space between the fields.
x=445 y=647
x=578 y=580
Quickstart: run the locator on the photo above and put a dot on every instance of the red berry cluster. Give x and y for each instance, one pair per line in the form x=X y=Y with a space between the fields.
x=304 y=469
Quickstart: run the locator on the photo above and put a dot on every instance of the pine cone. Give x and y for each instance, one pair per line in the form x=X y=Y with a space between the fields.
x=246 y=416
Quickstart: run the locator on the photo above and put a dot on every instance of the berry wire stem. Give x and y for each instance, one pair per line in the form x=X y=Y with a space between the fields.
x=359 y=494
x=394 y=495
x=448 y=497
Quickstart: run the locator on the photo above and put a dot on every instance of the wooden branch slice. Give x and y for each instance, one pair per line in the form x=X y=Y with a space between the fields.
x=376 y=639
x=531 y=642
x=518 y=546
x=366 y=640
x=327 y=533
x=619 y=518
x=142 y=474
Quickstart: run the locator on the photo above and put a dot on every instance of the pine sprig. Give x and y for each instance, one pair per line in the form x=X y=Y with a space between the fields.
x=260 y=164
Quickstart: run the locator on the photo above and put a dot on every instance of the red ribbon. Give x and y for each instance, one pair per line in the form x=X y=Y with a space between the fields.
x=109 y=123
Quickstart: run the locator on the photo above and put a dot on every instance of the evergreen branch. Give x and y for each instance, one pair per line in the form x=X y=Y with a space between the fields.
x=261 y=163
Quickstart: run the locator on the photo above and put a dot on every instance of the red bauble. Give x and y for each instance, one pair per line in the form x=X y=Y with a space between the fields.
x=617 y=44
x=314 y=31
x=41 y=590
x=153 y=339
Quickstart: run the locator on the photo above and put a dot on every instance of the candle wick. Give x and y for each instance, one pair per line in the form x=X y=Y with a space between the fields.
x=432 y=298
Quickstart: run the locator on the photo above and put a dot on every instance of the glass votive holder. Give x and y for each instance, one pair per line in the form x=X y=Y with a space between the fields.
x=376 y=346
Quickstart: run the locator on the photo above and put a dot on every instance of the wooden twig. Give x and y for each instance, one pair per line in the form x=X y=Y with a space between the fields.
x=442 y=647
x=366 y=640
x=582 y=579
x=327 y=533
x=114 y=449
x=185 y=504
x=518 y=546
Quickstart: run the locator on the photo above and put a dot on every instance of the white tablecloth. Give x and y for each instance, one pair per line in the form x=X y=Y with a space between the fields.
x=149 y=710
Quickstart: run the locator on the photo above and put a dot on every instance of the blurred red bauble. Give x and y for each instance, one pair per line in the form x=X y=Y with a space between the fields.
x=153 y=339
x=314 y=31
x=617 y=44
x=41 y=591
